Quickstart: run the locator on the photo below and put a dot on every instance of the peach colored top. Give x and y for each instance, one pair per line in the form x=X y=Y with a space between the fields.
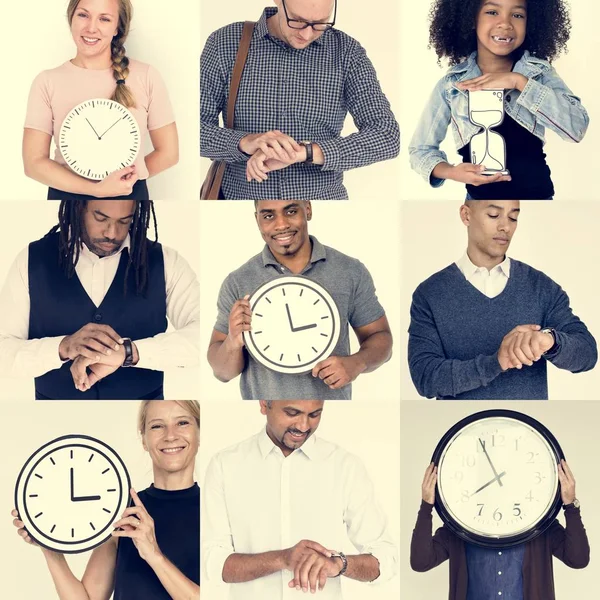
x=55 y=92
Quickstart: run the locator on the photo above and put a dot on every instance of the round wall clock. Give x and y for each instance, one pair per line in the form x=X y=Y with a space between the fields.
x=98 y=137
x=70 y=492
x=498 y=478
x=295 y=324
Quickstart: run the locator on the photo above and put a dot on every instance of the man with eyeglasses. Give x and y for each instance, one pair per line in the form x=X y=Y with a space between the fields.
x=301 y=79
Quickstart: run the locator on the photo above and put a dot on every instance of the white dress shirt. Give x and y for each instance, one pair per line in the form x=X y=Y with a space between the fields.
x=21 y=357
x=490 y=283
x=257 y=500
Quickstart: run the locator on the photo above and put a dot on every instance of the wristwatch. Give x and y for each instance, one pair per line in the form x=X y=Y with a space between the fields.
x=552 y=332
x=128 y=347
x=344 y=560
x=574 y=504
x=309 y=151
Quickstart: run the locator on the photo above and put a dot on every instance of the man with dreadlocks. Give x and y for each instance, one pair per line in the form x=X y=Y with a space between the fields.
x=93 y=296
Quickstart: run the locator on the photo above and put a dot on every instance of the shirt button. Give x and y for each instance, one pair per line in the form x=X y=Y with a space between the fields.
x=499 y=553
x=97 y=317
x=499 y=593
x=499 y=572
x=508 y=98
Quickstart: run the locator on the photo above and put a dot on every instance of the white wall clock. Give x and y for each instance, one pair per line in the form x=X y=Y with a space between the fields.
x=98 y=137
x=70 y=491
x=498 y=478
x=295 y=324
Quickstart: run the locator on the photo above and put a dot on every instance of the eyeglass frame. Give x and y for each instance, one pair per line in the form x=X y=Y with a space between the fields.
x=309 y=23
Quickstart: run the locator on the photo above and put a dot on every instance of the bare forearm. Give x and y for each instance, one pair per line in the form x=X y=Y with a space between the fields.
x=226 y=360
x=239 y=568
x=52 y=174
x=375 y=351
x=362 y=567
x=442 y=170
x=158 y=161
x=68 y=587
x=178 y=586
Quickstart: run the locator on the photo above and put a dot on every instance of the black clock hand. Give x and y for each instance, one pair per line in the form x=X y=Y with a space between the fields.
x=304 y=327
x=489 y=460
x=72 y=486
x=85 y=498
x=93 y=128
x=497 y=478
x=109 y=129
x=287 y=308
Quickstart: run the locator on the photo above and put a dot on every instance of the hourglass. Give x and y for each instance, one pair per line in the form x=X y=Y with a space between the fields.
x=486 y=109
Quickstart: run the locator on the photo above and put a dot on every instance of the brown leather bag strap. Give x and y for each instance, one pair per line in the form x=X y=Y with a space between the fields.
x=238 y=69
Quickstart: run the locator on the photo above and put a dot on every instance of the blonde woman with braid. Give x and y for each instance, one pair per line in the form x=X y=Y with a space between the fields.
x=100 y=69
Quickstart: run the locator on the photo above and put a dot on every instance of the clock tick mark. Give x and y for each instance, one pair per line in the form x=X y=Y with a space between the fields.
x=314 y=349
x=267 y=299
x=92 y=526
x=71 y=454
x=72 y=532
x=257 y=315
x=317 y=300
x=301 y=291
x=106 y=510
x=105 y=471
x=38 y=515
x=324 y=335
x=281 y=358
x=39 y=476
x=257 y=332
x=33 y=495
x=266 y=348
x=283 y=290
x=90 y=458
x=112 y=490
x=53 y=528
x=52 y=461
x=325 y=317
x=299 y=359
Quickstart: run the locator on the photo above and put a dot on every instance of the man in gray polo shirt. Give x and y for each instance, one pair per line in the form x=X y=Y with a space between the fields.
x=289 y=250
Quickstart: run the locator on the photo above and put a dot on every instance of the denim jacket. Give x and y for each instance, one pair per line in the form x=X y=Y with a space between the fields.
x=544 y=102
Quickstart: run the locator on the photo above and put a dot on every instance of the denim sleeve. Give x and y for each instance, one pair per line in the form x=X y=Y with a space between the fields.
x=433 y=374
x=576 y=349
x=555 y=106
x=378 y=135
x=424 y=149
x=216 y=143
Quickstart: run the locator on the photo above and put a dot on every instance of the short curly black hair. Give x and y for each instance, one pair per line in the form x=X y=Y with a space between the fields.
x=452 y=34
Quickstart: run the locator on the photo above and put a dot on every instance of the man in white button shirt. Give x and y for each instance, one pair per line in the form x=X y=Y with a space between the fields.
x=486 y=326
x=92 y=298
x=280 y=507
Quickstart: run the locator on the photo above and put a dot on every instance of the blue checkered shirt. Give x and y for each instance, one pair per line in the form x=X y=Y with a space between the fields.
x=306 y=94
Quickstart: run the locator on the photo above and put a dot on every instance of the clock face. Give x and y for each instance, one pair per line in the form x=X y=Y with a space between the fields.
x=295 y=324
x=69 y=493
x=98 y=137
x=498 y=478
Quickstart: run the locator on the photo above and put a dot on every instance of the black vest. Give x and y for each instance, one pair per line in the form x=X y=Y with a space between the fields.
x=60 y=306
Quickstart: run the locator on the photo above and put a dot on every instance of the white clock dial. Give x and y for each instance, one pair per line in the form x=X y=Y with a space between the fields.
x=98 y=137
x=498 y=477
x=295 y=324
x=69 y=493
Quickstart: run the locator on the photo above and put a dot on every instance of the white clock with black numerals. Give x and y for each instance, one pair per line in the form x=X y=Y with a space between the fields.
x=498 y=480
x=295 y=325
x=70 y=491
x=98 y=137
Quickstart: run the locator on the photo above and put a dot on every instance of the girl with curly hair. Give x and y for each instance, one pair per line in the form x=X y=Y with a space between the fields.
x=100 y=69
x=498 y=44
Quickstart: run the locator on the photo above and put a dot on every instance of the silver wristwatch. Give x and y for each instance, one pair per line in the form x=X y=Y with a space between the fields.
x=344 y=560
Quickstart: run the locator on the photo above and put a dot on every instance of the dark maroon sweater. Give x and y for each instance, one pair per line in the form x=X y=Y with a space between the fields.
x=568 y=544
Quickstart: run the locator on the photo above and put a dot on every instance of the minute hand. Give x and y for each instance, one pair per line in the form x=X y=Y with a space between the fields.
x=109 y=129
x=489 y=460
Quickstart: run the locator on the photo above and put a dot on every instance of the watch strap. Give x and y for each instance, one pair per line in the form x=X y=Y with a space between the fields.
x=552 y=332
x=309 y=152
x=344 y=560
x=574 y=504
x=128 y=347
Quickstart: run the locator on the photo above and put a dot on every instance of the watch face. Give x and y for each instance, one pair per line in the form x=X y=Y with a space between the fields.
x=295 y=324
x=70 y=491
x=98 y=137
x=498 y=478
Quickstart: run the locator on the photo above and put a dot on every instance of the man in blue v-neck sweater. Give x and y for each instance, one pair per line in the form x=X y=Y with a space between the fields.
x=486 y=326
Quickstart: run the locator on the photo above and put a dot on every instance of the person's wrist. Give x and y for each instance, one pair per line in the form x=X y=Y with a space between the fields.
x=359 y=365
x=155 y=558
x=520 y=81
x=136 y=354
x=233 y=343
x=62 y=349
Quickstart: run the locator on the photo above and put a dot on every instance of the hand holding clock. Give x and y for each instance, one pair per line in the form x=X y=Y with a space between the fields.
x=137 y=524
x=118 y=183
x=240 y=320
x=429 y=483
x=567 y=482
x=21 y=531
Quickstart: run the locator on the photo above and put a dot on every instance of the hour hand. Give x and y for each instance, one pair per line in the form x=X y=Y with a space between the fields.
x=99 y=137
x=85 y=498
x=497 y=478
x=287 y=308
x=303 y=327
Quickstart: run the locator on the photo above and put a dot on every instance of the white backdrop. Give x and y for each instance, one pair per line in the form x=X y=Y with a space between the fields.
x=570 y=163
x=166 y=39
x=557 y=238
x=371 y=433
x=229 y=237
x=26 y=222
x=377 y=32
x=573 y=424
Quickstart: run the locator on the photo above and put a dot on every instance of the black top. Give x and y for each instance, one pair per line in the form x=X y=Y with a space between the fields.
x=60 y=306
x=526 y=162
x=176 y=517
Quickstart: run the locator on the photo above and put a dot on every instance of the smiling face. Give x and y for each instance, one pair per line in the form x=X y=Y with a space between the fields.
x=106 y=224
x=501 y=27
x=291 y=422
x=94 y=23
x=283 y=225
x=302 y=10
x=171 y=437
x=490 y=225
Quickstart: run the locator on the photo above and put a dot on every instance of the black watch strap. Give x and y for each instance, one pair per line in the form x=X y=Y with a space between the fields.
x=309 y=152
x=128 y=347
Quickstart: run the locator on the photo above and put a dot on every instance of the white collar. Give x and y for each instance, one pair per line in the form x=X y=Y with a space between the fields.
x=469 y=269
